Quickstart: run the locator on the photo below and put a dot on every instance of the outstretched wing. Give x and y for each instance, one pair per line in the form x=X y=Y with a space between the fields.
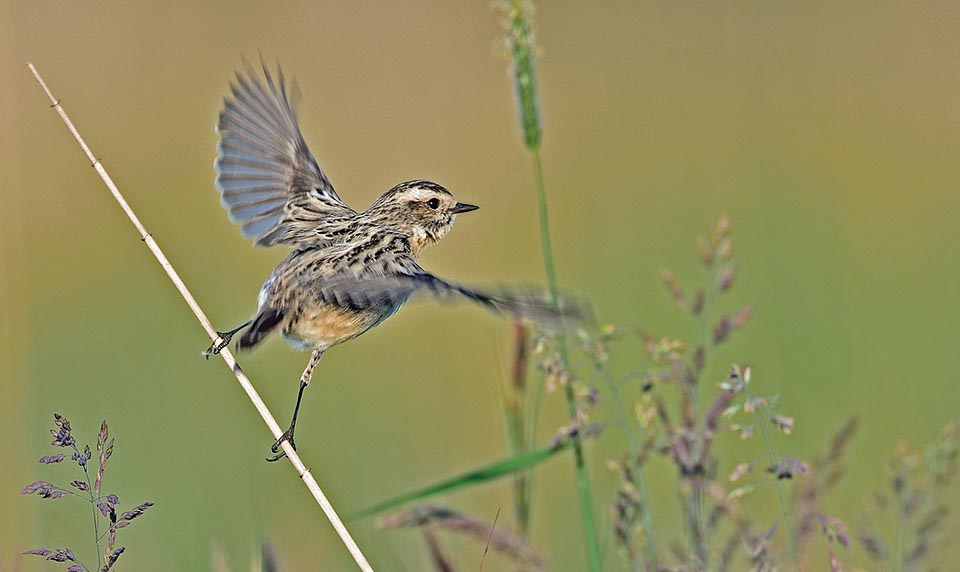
x=269 y=181
x=517 y=301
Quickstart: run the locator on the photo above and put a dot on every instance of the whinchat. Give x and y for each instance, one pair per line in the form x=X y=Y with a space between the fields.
x=348 y=270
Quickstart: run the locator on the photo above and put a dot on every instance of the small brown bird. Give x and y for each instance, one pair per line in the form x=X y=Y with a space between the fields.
x=349 y=271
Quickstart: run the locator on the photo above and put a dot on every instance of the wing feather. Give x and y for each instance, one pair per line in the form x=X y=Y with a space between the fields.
x=519 y=302
x=269 y=182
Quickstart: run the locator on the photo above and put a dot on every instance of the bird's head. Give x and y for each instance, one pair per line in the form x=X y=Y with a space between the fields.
x=421 y=210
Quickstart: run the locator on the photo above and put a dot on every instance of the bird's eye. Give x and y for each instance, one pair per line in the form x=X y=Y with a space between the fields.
x=434 y=203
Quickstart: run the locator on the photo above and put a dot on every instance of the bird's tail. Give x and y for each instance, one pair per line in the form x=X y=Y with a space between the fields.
x=517 y=301
x=261 y=326
x=530 y=303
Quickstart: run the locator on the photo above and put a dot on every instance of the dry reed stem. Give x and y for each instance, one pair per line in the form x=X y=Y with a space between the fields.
x=228 y=358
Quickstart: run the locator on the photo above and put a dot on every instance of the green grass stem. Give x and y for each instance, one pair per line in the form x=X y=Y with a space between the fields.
x=583 y=478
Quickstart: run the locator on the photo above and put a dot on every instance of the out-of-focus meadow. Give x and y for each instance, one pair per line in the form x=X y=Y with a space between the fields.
x=829 y=132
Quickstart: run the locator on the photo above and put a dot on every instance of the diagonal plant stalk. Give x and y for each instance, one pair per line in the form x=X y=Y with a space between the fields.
x=305 y=475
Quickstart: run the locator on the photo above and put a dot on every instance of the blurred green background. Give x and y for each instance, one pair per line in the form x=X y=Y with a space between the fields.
x=829 y=132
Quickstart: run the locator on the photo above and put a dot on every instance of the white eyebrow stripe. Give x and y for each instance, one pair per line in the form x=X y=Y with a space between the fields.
x=421 y=194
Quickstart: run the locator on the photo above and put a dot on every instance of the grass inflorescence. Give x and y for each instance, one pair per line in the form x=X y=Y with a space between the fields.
x=103 y=506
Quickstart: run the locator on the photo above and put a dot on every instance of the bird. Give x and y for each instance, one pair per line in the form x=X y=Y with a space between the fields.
x=347 y=270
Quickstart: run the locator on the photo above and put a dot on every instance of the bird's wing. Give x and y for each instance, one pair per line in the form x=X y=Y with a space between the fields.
x=268 y=180
x=517 y=301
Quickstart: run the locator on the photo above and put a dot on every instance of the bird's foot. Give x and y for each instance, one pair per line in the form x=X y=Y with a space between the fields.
x=217 y=346
x=275 y=448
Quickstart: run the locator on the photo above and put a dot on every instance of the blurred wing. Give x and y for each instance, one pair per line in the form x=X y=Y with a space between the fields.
x=269 y=181
x=521 y=302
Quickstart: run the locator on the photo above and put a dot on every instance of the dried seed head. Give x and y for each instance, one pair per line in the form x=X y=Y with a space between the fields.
x=500 y=539
x=665 y=350
x=676 y=292
x=699 y=358
x=739 y=472
x=740 y=492
x=43 y=489
x=136 y=511
x=725 y=248
x=70 y=556
x=726 y=277
x=61 y=432
x=722 y=329
x=873 y=545
x=751 y=404
x=699 y=301
x=722 y=229
x=735 y=381
x=112 y=559
x=787 y=468
x=705 y=252
x=102 y=435
x=555 y=374
x=783 y=423
x=835 y=565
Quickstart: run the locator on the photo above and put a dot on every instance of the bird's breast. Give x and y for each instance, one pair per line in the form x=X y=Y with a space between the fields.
x=328 y=325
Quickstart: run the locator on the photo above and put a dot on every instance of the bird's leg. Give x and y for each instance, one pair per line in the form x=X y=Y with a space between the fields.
x=217 y=346
x=288 y=434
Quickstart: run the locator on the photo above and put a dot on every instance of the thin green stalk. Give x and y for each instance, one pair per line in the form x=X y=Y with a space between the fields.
x=518 y=25
x=583 y=479
x=772 y=459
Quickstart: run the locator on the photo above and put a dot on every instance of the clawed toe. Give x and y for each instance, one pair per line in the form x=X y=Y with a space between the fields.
x=275 y=448
x=217 y=346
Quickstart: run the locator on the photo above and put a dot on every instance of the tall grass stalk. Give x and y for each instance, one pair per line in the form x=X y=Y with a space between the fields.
x=583 y=478
x=518 y=23
x=305 y=475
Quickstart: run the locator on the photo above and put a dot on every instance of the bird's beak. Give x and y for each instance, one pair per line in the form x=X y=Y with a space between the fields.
x=463 y=208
